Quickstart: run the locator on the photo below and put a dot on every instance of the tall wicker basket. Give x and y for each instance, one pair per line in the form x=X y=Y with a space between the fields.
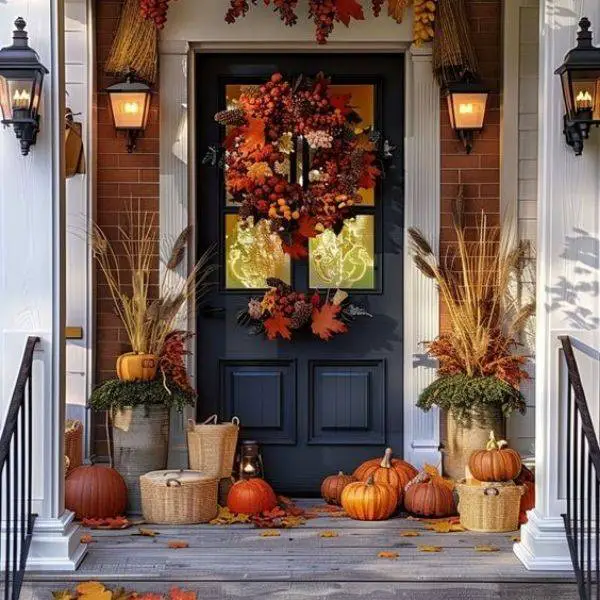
x=490 y=507
x=178 y=497
x=211 y=446
x=73 y=445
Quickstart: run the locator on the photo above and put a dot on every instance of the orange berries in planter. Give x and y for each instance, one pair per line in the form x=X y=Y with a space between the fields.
x=496 y=463
x=333 y=486
x=369 y=501
x=404 y=471
x=429 y=496
x=251 y=496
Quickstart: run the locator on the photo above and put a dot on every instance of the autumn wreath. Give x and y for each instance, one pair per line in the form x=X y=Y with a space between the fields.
x=282 y=310
x=265 y=126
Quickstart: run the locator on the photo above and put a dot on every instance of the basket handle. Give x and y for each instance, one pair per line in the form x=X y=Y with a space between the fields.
x=211 y=420
x=174 y=481
x=491 y=491
x=191 y=424
x=236 y=421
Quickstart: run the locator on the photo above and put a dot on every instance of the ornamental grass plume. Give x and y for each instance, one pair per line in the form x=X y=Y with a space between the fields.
x=127 y=265
x=476 y=280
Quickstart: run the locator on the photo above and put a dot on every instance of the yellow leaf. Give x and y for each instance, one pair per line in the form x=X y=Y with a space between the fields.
x=175 y=544
x=97 y=595
x=388 y=555
x=440 y=527
x=485 y=548
x=226 y=517
x=86 y=539
x=147 y=532
x=409 y=533
x=328 y=534
x=270 y=533
x=62 y=595
x=89 y=587
x=430 y=548
x=515 y=538
x=431 y=470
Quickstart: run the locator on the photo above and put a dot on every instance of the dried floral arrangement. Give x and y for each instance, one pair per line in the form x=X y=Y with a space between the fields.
x=264 y=126
x=281 y=311
x=478 y=358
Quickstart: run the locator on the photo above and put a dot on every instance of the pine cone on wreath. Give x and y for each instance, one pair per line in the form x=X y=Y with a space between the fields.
x=302 y=315
x=231 y=117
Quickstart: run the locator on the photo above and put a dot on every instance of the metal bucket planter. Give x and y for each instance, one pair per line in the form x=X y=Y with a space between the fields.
x=141 y=444
x=459 y=441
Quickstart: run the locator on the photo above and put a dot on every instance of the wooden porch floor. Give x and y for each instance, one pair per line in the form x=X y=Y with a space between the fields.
x=236 y=562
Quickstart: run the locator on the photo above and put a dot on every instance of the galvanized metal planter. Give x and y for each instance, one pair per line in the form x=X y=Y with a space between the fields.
x=141 y=444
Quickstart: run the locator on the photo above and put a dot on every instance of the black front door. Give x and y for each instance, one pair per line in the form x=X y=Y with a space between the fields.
x=315 y=407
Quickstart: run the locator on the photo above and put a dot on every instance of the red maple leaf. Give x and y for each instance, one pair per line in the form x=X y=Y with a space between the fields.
x=230 y=137
x=341 y=101
x=369 y=173
x=325 y=322
x=306 y=226
x=347 y=9
x=254 y=135
x=278 y=325
x=297 y=249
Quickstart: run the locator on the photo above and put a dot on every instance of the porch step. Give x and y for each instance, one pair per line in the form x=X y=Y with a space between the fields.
x=330 y=590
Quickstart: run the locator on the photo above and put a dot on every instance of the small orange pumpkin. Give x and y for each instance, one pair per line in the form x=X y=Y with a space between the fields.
x=251 y=496
x=333 y=486
x=134 y=366
x=427 y=496
x=405 y=471
x=369 y=501
x=496 y=463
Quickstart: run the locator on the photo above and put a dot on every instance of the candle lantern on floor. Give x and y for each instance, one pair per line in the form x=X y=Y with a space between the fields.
x=250 y=460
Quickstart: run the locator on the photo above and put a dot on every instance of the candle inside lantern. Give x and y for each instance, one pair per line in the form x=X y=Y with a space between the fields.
x=21 y=99
x=131 y=108
x=584 y=100
x=249 y=470
x=465 y=109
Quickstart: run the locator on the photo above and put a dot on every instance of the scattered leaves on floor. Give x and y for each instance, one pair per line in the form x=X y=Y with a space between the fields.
x=176 y=544
x=329 y=534
x=388 y=555
x=445 y=527
x=409 y=533
x=430 y=549
x=284 y=518
x=87 y=539
x=146 y=532
x=89 y=587
x=270 y=533
x=486 y=548
x=515 y=538
x=110 y=523
x=325 y=510
x=226 y=517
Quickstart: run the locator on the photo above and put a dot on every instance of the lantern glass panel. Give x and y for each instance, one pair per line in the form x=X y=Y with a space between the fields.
x=585 y=92
x=565 y=79
x=130 y=109
x=5 y=104
x=468 y=111
x=16 y=96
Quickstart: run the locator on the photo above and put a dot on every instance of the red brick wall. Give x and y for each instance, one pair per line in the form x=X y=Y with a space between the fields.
x=479 y=172
x=122 y=178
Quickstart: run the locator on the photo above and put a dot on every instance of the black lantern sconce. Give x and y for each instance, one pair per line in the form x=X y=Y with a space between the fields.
x=130 y=105
x=467 y=101
x=21 y=79
x=580 y=78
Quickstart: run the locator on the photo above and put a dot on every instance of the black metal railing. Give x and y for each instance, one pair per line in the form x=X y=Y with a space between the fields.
x=582 y=519
x=16 y=480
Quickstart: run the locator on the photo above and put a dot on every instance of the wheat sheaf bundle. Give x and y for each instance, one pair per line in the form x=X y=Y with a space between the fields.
x=127 y=266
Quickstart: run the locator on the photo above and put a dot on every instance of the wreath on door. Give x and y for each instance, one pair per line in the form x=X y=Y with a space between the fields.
x=267 y=128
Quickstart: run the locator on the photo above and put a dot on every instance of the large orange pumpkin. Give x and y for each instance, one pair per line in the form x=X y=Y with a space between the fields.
x=369 y=501
x=496 y=462
x=427 y=496
x=251 y=496
x=404 y=470
x=333 y=486
x=95 y=492
x=134 y=366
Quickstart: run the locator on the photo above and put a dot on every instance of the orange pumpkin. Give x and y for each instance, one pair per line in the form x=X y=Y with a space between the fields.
x=333 y=486
x=526 y=478
x=369 y=501
x=404 y=470
x=251 y=496
x=134 y=366
x=95 y=492
x=427 y=496
x=496 y=462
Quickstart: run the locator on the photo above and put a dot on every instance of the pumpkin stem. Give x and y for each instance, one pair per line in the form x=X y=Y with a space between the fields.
x=370 y=480
x=341 y=473
x=494 y=444
x=386 y=462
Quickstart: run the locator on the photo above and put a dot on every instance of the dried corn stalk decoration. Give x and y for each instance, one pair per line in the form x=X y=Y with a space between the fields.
x=453 y=51
x=135 y=45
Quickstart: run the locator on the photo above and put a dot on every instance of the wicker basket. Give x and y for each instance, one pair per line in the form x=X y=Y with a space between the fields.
x=73 y=445
x=211 y=446
x=490 y=507
x=178 y=497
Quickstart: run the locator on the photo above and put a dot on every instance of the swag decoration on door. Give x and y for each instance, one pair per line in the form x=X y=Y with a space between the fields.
x=268 y=128
x=282 y=311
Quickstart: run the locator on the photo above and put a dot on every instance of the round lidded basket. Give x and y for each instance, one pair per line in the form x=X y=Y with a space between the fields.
x=211 y=446
x=490 y=507
x=178 y=497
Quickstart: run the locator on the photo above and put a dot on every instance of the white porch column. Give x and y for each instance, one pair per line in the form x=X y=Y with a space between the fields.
x=32 y=281
x=567 y=282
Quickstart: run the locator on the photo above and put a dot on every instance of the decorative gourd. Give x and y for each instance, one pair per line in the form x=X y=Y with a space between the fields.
x=134 y=366
x=527 y=479
x=95 y=492
x=251 y=496
x=369 y=501
x=405 y=470
x=427 y=496
x=496 y=462
x=333 y=486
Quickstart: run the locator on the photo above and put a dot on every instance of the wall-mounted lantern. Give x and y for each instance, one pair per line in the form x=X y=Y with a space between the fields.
x=467 y=101
x=130 y=105
x=580 y=78
x=21 y=79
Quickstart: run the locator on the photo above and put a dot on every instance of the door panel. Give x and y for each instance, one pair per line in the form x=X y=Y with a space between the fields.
x=316 y=407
